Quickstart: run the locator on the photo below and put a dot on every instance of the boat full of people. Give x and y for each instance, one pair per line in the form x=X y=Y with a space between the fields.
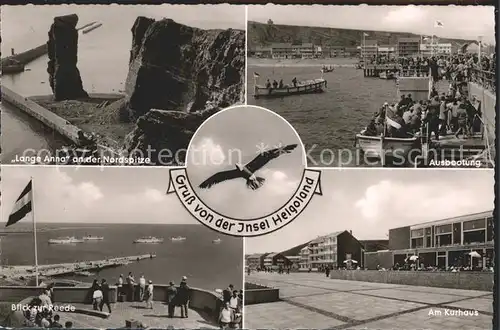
x=387 y=74
x=65 y=240
x=84 y=273
x=216 y=241
x=280 y=89
x=92 y=238
x=149 y=240
x=178 y=239
x=326 y=69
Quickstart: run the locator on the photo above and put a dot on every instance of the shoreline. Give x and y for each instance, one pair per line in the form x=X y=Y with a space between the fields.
x=335 y=62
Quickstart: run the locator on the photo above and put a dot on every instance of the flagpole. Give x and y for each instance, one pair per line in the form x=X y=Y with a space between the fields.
x=34 y=229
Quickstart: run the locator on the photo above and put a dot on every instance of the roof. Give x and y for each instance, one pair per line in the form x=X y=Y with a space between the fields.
x=321 y=238
x=467 y=217
x=409 y=40
x=271 y=255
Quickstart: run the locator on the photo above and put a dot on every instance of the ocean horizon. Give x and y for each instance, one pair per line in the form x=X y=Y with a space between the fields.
x=207 y=265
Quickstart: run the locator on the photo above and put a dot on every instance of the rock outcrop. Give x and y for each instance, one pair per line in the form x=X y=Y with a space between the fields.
x=163 y=136
x=180 y=68
x=64 y=77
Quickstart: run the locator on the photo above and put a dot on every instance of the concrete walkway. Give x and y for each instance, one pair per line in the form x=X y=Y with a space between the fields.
x=310 y=300
x=155 y=318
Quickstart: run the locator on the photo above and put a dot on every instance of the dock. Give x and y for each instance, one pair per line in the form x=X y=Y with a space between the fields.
x=70 y=268
x=373 y=70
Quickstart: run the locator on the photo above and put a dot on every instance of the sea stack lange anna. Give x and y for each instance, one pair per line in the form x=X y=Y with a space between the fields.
x=64 y=76
x=180 y=68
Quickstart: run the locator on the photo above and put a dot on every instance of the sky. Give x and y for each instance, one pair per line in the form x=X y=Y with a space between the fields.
x=33 y=21
x=95 y=194
x=235 y=136
x=371 y=201
x=463 y=22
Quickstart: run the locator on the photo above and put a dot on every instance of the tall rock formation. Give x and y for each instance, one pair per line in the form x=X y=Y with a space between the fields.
x=177 y=67
x=178 y=77
x=64 y=77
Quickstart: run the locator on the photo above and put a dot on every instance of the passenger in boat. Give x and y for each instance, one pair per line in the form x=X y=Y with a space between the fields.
x=434 y=92
x=275 y=84
x=432 y=118
x=281 y=85
x=294 y=81
x=407 y=116
x=462 y=121
x=443 y=116
x=454 y=116
x=268 y=84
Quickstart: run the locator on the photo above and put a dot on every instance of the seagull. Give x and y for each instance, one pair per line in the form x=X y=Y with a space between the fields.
x=247 y=171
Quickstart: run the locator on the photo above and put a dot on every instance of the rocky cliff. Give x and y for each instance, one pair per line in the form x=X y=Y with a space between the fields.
x=177 y=67
x=178 y=77
x=62 y=47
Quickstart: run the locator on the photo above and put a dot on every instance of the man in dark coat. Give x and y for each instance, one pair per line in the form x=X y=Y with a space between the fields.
x=227 y=293
x=183 y=294
x=171 y=294
x=105 y=296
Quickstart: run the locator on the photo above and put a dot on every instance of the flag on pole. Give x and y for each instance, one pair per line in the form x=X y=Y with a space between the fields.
x=365 y=34
x=390 y=118
x=256 y=75
x=438 y=24
x=23 y=205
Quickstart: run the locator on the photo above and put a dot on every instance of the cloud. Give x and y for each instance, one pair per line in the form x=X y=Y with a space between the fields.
x=416 y=202
x=207 y=153
x=404 y=16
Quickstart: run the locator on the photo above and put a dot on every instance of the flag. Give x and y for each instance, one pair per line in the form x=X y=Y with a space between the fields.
x=22 y=206
x=256 y=75
x=438 y=24
x=390 y=121
x=365 y=34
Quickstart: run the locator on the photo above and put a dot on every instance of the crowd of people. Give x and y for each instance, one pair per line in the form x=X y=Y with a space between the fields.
x=443 y=114
x=39 y=313
x=231 y=313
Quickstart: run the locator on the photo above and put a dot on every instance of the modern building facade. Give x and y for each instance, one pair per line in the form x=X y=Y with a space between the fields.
x=276 y=260
x=254 y=261
x=291 y=51
x=409 y=47
x=388 y=51
x=436 y=49
x=330 y=250
x=369 y=49
x=442 y=243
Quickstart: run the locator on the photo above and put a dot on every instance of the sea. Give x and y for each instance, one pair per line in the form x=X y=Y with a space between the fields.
x=328 y=122
x=207 y=265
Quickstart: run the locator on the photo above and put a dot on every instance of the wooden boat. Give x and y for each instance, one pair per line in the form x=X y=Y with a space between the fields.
x=303 y=87
x=378 y=146
x=327 y=69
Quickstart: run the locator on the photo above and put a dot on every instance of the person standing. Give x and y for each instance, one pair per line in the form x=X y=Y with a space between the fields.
x=227 y=293
x=142 y=287
x=225 y=316
x=120 y=286
x=171 y=294
x=105 y=296
x=130 y=287
x=234 y=301
x=97 y=298
x=149 y=295
x=183 y=295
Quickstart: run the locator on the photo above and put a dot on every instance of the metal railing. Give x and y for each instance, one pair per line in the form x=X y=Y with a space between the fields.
x=486 y=79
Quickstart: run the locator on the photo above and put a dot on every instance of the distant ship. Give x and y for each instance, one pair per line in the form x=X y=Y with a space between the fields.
x=65 y=240
x=216 y=241
x=149 y=239
x=84 y=273
x=92 y=238
x=178 y=239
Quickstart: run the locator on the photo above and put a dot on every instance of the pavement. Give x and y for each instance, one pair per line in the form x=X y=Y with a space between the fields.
x=313 y=301
x=154 y=318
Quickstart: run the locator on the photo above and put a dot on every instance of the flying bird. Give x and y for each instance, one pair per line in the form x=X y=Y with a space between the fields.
x=247 y=171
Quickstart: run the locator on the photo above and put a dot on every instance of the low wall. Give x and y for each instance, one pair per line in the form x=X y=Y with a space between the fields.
x=202 y=301
x=27 y=56
x=481 y=281
x=488 y=107
x=417 y=87
x=48 y=118
x=260 y=294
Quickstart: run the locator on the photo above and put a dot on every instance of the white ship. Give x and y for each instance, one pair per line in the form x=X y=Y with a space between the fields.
x=178 y=239
x=65 y=240
x=216 y=241
x=149 y=240
x=92 y=238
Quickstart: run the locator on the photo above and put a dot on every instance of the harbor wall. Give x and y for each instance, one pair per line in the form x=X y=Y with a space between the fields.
x=488 y=107
x=482 y=281
x=261 y=296
x=48 y=118
x=417 y=87
x=27 y=56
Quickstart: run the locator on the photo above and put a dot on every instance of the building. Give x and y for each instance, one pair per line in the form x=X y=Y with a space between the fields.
x=388 y=51
x=369 y=49
x=254 y=261
x=276 y=260
x=442 y=243
x=295 y=262
x=262 y=52
x=337 y=51
x=372 y=245
x=281 y=51
x=352 y=51
x=289 y=51
x=331 y=250
x=436 y=49
x=305 y=50
x=408 y=47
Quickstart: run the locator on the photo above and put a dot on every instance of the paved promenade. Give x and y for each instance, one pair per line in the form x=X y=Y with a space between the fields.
x=155 y=318
x=310 y=300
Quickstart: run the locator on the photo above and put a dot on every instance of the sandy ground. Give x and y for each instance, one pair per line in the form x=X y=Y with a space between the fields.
x=94 y=115
x=268 y=62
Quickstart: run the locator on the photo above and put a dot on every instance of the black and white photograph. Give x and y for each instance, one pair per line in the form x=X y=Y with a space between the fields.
x=96 y=248
x=116 y=84
x=245 y=162
x=380 y=250
x=379 y=86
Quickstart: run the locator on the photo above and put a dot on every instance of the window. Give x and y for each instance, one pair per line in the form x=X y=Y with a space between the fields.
x=444 y=229
x=489 y=230
x=417 y=233
x=428 y=231
x=457 y=233
x=428 y=242
x=417 y=243
x=474 y=224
